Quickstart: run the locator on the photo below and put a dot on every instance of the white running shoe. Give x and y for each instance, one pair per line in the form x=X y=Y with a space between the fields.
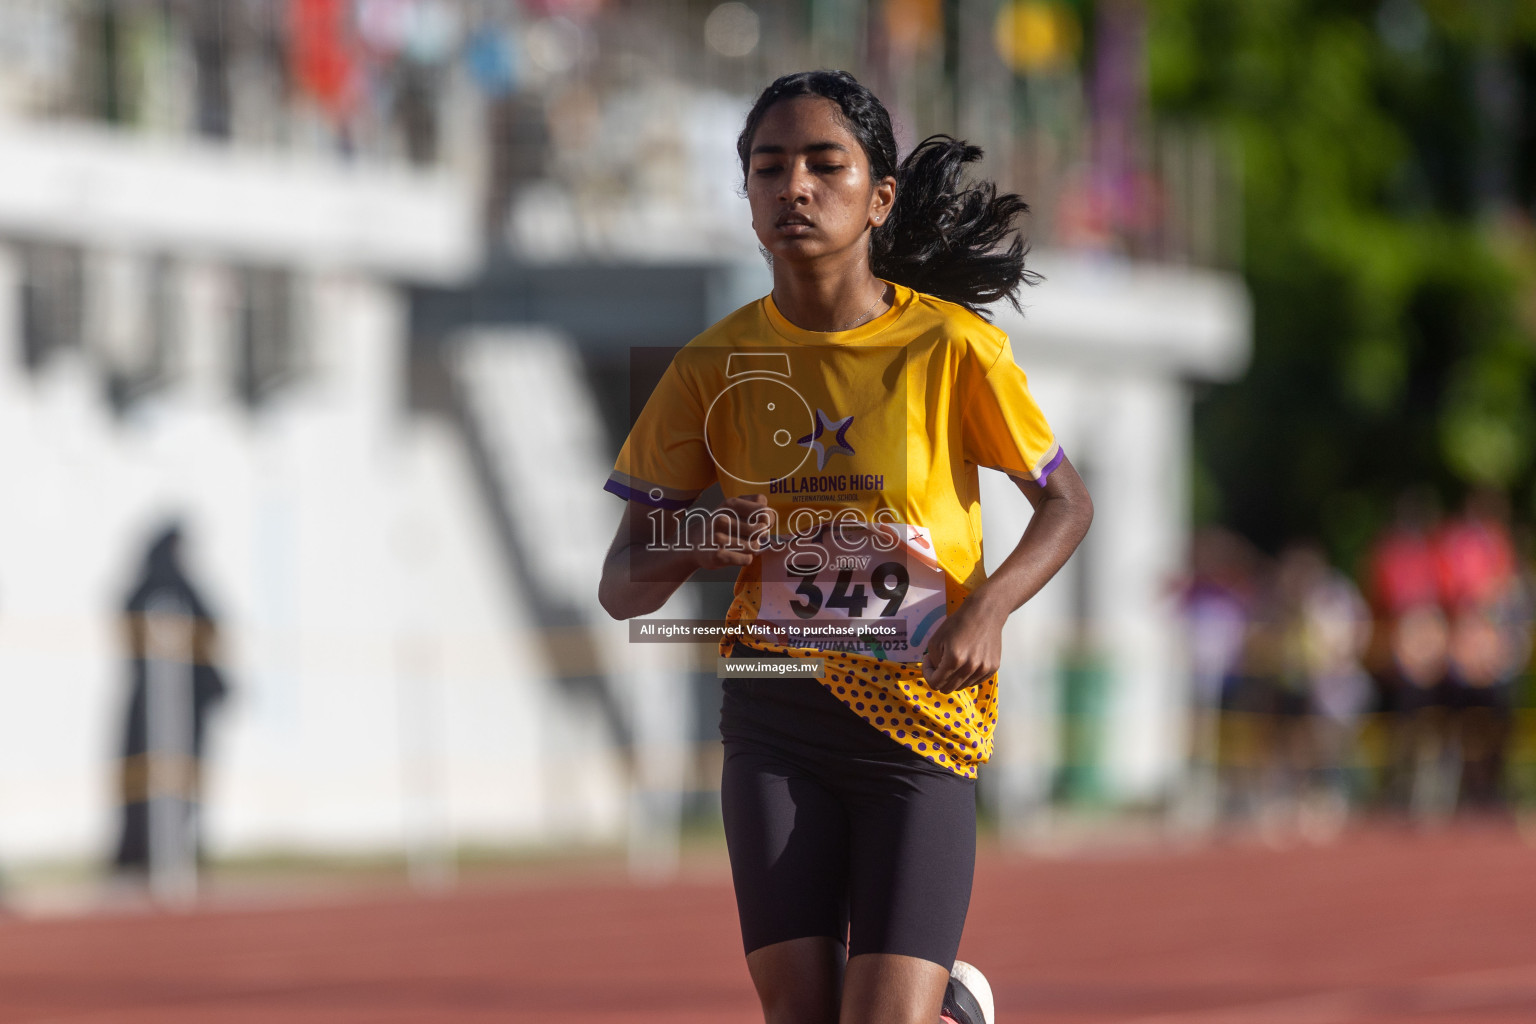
x=968 y=999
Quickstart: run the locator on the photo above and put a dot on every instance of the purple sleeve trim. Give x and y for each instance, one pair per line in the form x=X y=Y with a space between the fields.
x=1050 y=467
x=644 y=497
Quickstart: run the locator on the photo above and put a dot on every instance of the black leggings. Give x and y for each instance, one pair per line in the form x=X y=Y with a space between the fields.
x=836 y=829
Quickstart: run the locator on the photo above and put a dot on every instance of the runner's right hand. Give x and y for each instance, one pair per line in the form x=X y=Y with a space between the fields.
x=737 y=529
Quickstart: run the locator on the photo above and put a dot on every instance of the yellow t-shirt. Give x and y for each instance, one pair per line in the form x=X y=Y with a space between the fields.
x=880 y=429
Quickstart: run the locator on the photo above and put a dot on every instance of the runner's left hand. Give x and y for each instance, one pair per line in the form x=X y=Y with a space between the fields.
x=965 y=649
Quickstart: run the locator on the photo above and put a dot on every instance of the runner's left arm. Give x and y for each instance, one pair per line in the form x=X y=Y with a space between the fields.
x=967 y=647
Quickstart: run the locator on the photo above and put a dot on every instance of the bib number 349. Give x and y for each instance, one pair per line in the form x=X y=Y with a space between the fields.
x=825 y=586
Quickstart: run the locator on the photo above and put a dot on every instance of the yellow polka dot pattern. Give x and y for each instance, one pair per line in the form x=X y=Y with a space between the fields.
x=953 y=730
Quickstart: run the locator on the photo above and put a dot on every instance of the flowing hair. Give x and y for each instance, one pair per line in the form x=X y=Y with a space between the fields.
x=953 y=241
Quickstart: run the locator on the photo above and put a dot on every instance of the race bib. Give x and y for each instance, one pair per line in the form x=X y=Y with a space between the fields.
x=875 y=590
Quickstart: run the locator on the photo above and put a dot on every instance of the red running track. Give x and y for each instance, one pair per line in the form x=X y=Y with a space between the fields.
x=1385 y=925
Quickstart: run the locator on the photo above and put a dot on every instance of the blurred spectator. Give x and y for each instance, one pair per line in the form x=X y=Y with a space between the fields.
x=1215 y=602
x=1489 y=612
x=1215 y=606
x=1254 y=702
x=174 y=684
x=1327 y=627
x=1410 y=658
x=1297 y=701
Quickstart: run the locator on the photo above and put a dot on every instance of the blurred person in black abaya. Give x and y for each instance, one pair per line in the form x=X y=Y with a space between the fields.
x=171 y=638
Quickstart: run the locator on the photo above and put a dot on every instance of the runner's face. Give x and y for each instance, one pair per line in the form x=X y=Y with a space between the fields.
x=809 y=183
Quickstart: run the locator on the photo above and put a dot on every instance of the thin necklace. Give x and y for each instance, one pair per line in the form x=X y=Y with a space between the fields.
x=864 y=314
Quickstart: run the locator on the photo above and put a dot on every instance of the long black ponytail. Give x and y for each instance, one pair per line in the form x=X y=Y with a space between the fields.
x=959 y=243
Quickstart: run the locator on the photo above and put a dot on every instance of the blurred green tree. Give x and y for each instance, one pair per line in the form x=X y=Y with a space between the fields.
x=1388 y=158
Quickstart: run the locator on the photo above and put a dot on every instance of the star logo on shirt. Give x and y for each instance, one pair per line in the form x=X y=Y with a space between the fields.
x=826 y=425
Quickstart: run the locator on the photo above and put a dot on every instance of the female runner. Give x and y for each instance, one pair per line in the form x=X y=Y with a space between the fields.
x=851 y=407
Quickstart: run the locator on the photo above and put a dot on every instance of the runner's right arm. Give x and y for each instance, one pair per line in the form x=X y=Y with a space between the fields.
x=639 y=575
